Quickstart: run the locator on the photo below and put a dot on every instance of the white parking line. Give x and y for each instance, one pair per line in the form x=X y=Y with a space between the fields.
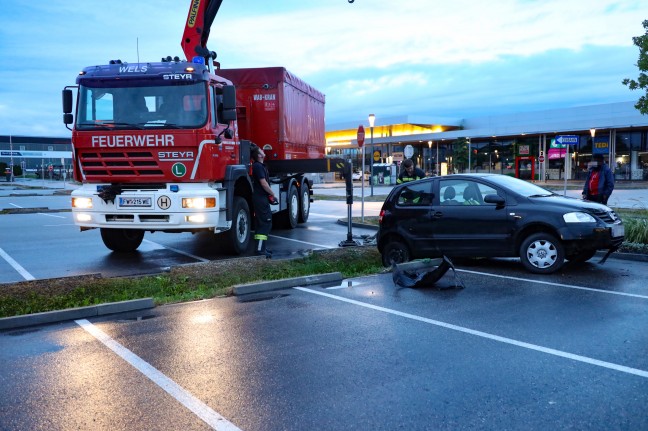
x=15 y=265
x=184 y=253
x=51 y=215
x=324 y=215
x=48 y=215
x=184 y=397
x=560 y=353
x=303 y=242
x=549 y=283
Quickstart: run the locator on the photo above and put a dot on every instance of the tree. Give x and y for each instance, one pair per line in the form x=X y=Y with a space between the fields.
x=460 y=153
x=642 y=64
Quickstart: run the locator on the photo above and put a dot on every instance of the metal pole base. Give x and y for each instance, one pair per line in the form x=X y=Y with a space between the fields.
x=349 y=243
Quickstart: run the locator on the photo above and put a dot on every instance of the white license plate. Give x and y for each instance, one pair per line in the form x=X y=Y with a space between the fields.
x=135 y=202
x=617 y=230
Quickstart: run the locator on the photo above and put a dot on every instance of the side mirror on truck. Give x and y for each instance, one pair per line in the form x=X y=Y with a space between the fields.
x=67 y=107
x=229 y=103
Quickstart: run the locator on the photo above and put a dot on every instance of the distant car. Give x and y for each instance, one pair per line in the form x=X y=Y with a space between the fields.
x=490 y=215
x=357 y=176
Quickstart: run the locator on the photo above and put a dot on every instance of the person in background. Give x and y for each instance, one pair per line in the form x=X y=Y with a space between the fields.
x=409 y=172
x=262 y=198
x=600 y=181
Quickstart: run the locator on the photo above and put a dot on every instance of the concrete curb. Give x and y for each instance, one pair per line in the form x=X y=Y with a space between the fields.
x=267 y=286
x=74 y=313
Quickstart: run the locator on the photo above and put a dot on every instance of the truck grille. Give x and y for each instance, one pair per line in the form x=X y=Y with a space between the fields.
x=137 y=218
x=111 y=166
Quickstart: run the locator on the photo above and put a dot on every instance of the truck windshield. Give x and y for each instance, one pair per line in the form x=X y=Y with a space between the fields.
x=141 y=107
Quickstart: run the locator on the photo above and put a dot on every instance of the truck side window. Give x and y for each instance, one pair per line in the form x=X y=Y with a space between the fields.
x=212 y=107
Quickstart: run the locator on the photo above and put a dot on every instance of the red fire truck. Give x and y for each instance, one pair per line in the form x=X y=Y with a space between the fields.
x=165 y=146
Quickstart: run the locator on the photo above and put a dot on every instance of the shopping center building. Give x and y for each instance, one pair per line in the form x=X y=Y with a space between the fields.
x=526 y=144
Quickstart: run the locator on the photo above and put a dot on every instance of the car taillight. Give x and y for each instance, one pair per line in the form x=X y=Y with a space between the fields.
x=380 y=217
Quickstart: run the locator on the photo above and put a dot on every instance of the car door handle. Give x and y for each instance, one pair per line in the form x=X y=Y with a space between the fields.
x=437 y=214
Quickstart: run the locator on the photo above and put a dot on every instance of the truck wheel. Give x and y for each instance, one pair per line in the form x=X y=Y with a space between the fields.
x=542 y=253
x=305 y=203
x=122 y=240
x=240 y=233
x=292 y=210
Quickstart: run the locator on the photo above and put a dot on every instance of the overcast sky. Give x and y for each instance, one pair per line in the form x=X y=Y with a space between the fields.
x=457 y=59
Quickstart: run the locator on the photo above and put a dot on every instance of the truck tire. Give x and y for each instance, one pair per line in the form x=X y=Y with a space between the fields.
x=240 y=233
x=122 y=240
x=304 y=200
x=293 y=208
x=542 y=253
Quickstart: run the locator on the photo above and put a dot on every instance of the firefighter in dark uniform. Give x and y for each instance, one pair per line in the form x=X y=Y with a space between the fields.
x=409 y=173
x=262 y=198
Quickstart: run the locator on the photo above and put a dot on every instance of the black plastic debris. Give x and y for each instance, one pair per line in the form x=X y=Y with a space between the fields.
x=424 y=273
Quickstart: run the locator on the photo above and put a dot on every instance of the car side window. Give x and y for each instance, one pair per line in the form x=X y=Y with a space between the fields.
x=448 y=193
x=451 y=192
x=416 y=194
x=463 y=192
x=484 y=190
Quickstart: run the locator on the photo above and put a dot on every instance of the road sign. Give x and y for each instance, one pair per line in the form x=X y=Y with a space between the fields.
x=567 y=139
x=541 y=159
x=361 y=136
x=409 y=151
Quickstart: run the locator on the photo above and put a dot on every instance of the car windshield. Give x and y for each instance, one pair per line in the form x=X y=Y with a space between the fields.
x=142 y=107
x=521 y=187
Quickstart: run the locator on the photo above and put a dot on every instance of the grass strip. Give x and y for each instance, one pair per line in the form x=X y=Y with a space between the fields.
x=183 y=283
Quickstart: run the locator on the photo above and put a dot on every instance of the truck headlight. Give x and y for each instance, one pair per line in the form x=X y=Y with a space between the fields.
x=195 y=218
x=578 y=217
x=83 y=217
x=198 y=203
x=83 y=203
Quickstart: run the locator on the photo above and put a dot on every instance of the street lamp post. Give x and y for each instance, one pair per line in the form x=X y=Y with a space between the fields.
x=438 y=167
x=469 y=142
x=593 y=133
x=490 y=160
x=372 y=120
x=430 y=154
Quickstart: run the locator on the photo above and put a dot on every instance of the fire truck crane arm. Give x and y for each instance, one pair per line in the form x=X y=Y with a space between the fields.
x=196 y=33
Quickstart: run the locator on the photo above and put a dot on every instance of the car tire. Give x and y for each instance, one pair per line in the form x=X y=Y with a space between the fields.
x=122 y=240
x=395 y=252
x=542 y=253
x=581 y=256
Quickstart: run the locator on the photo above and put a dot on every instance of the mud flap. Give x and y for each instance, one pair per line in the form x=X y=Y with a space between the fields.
x=424 y=273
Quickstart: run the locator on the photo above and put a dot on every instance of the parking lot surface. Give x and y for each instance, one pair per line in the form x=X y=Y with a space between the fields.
x=509 y=351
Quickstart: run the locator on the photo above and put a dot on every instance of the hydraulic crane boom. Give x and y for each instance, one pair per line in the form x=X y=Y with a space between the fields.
x=199 y=20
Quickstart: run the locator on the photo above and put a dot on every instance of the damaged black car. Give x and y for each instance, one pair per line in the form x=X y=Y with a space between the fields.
x=491 y=215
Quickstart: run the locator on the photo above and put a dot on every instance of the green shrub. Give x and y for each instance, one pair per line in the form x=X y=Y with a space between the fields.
x=636 y=230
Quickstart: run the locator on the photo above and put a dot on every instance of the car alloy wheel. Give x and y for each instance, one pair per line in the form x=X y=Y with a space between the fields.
x=542 y=253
